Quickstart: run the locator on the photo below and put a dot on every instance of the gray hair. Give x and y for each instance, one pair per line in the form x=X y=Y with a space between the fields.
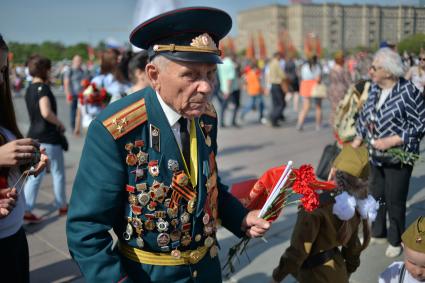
x=160 y=61
x=390 y=61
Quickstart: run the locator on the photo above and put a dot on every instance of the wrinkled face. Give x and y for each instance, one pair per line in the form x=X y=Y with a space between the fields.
x=415 y=263
x=377 y=73
x=3 y=66
x=184 y=86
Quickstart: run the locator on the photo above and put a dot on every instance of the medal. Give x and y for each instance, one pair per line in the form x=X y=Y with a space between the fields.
x=154 y=138
x=163 y=239
x=186 y=239
x=206 y=219
x=152 y=205
x=175 y=235
x=149 y=224
x=185 y=217
x=176 y=254
x=128 y=232
x=137 y=223
x=172 y=212
x=173 y=165
x=153 y=168
x=139 y=173
x=137 y=210
x=132 y=199
x=142 y=157
x=141 y=187
x=174 y=222
x=162 y=225
x=143 y=198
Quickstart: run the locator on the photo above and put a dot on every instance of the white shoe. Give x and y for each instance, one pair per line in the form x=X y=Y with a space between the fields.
x=393 y=251
x=378 y=241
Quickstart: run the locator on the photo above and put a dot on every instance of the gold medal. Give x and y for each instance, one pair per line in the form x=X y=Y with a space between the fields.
x=131 y=159
x=132 y=199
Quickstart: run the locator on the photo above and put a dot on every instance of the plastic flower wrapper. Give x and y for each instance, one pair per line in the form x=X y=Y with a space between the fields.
x=93 y=95
x=301 y=183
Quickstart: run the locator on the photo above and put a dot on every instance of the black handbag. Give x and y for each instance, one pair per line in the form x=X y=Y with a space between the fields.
x=325 y=163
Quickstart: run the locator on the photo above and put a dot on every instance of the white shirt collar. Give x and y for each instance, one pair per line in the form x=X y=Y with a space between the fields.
x=172 y=116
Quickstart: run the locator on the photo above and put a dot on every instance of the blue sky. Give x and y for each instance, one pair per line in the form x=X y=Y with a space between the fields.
x=71 y=21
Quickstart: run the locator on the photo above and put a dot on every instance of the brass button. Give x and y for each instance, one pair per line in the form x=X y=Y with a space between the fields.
x=195 y=274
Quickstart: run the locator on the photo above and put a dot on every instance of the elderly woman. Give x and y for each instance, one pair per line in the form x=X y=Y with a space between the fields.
x=392 y=123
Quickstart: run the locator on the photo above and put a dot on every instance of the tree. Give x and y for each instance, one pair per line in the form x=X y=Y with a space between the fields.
x=412 y=44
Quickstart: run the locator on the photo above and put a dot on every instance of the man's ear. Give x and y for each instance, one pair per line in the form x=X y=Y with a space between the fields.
x=152 y=72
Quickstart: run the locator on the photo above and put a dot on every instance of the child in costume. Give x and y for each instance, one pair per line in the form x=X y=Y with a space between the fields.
x=412 y=270
x=324 y=245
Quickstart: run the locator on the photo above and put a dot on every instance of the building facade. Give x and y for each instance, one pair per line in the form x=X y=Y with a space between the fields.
x=338 y=26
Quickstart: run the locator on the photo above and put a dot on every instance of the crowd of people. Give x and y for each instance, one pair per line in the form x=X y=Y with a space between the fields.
x=150 y=118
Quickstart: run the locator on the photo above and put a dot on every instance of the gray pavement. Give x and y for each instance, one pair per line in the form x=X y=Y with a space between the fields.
x=243 y=153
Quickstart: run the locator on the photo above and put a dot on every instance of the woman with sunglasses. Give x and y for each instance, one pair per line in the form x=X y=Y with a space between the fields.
x=417 y=73
x=392 y=123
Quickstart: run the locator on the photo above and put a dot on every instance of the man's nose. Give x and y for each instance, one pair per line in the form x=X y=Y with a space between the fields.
x=205 y=86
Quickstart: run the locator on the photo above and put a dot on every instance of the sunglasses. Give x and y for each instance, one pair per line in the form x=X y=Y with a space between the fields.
x=421 y=59
x=374 y=68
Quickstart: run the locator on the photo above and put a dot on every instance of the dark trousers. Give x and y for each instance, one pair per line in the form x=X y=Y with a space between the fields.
x=73 y=111
x=234 y=98
x=278 y=103
x=389 y=185
x=14 y=258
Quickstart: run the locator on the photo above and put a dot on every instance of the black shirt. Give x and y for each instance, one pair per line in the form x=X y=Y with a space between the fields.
x=40 y=129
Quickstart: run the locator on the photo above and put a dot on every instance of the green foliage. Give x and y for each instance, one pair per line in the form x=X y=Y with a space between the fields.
x=412 y=44
x=55 y=51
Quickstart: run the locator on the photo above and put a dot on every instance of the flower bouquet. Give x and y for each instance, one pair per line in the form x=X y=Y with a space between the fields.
x=93 y=95
x=276 y=189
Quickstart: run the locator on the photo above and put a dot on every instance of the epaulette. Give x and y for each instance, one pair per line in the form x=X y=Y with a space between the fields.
x=210 y=110
x=126 y=119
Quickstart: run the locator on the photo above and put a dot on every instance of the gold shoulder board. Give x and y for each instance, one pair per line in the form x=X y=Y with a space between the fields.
x=210 y=110
x=127 y=119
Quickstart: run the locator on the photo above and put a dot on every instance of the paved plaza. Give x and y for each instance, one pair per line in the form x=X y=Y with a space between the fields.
x=244 y=153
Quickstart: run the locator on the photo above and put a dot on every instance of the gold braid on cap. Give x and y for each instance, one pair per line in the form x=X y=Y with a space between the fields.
x=201 y=43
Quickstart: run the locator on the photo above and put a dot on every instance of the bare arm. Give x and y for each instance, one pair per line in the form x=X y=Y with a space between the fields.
x=47 y=113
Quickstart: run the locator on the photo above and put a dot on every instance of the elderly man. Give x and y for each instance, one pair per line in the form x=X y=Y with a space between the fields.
x=148 y=168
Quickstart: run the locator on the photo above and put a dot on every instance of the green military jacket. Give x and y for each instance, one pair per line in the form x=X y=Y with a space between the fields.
x=132 y=179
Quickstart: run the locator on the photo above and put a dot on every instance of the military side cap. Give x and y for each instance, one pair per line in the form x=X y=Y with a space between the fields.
x=414 y=236
x=187 y=34
x=353 y=161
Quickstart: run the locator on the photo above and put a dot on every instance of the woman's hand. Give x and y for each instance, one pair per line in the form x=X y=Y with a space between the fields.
x=386 y=143
x=40 y=166
x=18 y=152
x=8 y=199
x=356 y=142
